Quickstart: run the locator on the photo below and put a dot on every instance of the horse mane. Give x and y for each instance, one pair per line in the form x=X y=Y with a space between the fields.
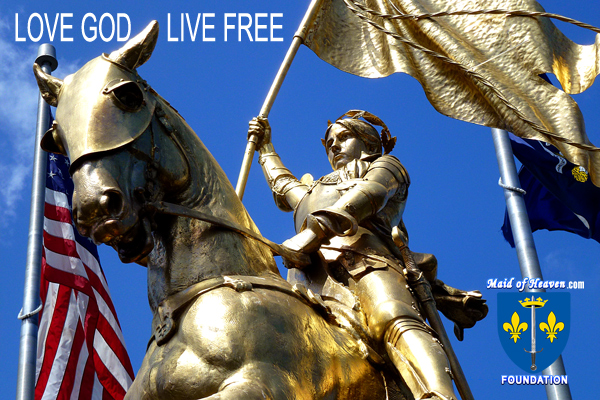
x=209 y=189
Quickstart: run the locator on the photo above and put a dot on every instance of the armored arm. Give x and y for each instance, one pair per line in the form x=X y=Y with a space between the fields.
x=287 y=190
x=362 y=198
x=385 y=178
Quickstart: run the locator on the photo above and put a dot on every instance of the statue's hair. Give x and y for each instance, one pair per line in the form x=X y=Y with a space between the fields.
x=380 y=143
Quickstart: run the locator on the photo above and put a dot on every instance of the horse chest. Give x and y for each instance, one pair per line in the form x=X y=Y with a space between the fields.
x=255 y=336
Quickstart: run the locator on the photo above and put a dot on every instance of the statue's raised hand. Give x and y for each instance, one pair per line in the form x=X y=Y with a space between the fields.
x=260 y=130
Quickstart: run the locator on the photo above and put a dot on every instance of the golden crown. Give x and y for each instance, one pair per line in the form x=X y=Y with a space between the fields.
x=531 y=302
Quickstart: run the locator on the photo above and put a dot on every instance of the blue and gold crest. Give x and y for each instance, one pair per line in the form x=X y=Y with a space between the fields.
x=534 y=327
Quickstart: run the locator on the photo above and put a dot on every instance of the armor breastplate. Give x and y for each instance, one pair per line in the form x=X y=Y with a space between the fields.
x=327 y=190
x=324 y=193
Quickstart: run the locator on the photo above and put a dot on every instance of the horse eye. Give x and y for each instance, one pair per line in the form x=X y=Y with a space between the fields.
x=128 y=96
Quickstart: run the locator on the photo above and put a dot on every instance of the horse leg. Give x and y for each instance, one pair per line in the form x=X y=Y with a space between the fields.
x=140 y=388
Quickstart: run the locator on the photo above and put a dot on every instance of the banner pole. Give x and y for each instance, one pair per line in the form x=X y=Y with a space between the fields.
x=525 y=246
x=298 y=39
x=46 y=58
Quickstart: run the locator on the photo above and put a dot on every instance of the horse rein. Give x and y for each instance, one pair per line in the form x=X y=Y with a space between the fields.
x=164 y=207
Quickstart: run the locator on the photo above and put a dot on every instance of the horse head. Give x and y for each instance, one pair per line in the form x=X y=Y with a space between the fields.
x=129 y=151
x=105 y=123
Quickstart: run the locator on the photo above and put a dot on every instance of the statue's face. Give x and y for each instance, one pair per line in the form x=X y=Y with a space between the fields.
x=343 y=147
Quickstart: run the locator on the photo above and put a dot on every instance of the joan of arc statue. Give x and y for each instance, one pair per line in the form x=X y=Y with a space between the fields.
x=348 y=216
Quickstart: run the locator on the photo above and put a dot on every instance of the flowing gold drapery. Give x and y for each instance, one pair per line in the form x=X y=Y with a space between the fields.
x=481 y=68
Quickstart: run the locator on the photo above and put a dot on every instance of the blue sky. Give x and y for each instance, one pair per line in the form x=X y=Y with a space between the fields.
x=455 y=207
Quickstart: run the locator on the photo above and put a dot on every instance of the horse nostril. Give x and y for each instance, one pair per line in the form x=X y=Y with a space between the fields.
x=83 y=229
x=112 y=202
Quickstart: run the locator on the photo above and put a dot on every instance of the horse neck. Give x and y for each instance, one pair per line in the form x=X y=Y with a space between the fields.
x=188 y=250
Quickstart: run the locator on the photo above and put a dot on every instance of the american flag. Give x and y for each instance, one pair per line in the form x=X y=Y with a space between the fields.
x=81 y=352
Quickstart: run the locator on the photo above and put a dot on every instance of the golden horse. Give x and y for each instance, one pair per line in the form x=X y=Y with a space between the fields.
x=226 y=324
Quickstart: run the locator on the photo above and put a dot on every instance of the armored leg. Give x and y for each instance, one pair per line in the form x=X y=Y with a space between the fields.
x=394 y=320
x=419 y=358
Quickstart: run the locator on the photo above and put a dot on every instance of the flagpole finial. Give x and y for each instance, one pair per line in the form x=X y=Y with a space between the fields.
x=47 y=54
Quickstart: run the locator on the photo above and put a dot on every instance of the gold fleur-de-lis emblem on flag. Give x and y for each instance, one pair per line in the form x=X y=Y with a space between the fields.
x=516 y=327
x=551 y=328
x=580 y=174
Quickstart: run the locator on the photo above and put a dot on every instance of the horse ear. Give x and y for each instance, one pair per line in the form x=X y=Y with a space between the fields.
x=51 y=141
x=139 y=49
x=49 y=85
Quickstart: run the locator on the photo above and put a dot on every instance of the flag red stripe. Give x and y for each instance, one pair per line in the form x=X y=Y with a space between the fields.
x=82 y=284
x=61 y=246
x=57 y=213
x=87 y=382
x=53 y=338
x=108 y=380
x=115 y=344
x=68 y=248
x=64 y=278
x=71 y=370
x=97 y=284
x=107 y=396
x=43 y=284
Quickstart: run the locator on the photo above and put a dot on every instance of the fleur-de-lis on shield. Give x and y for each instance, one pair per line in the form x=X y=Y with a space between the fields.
x=552 y=328
x=515 y=328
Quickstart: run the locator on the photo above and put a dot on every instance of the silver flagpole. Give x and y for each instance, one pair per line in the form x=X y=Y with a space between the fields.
x=31 y=298
x=521 y=230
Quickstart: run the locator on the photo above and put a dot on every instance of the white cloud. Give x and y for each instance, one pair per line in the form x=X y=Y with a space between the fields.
x=557 y=263
x=18 y=113
x=13 y=186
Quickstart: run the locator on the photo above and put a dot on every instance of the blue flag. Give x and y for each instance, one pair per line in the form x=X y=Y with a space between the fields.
x=560 y=195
